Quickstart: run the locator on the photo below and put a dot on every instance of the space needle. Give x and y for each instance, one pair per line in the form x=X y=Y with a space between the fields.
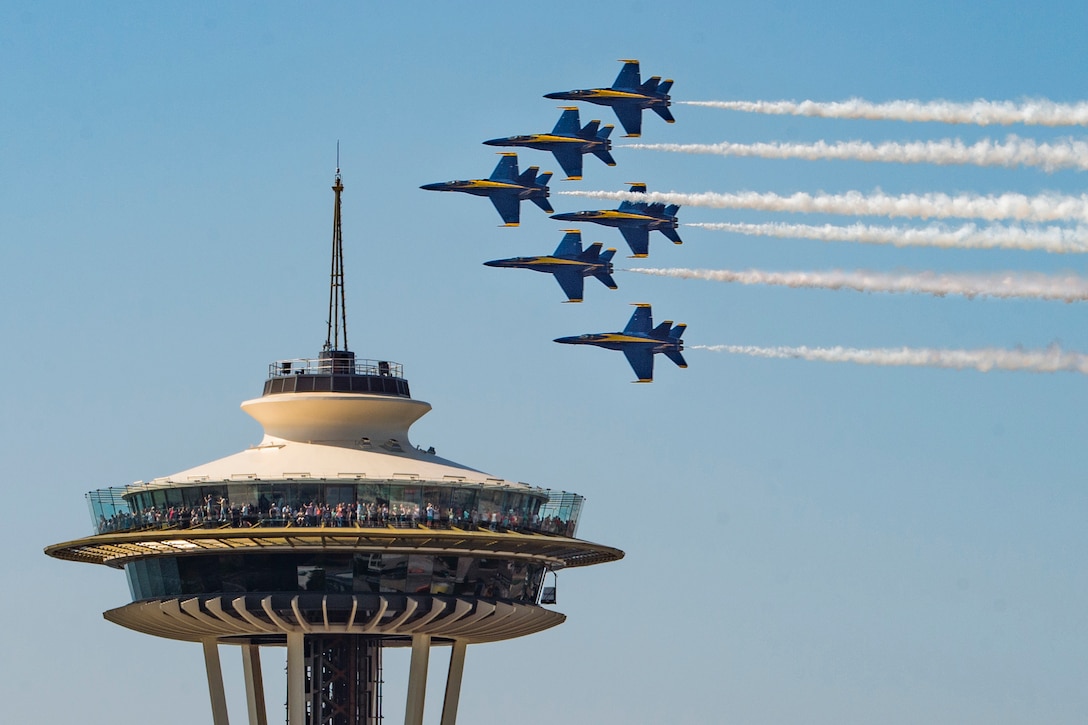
x=335 y=537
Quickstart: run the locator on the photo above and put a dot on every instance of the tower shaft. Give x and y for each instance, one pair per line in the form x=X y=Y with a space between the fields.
x=343 y=678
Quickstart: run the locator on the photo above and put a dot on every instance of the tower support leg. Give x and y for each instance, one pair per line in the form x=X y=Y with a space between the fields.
x=215 y=681
x=453 y=682
x=251 y=668
x=417 y=679
x=296 y=679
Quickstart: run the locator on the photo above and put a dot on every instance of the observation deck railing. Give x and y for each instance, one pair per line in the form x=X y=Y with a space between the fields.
x=335 y=366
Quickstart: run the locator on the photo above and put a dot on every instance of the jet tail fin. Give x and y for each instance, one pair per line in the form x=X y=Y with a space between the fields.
x=605 y=132
x=677 y=332
x=665 y=86
x=590 y=131
x=606 y=255
x=592 y=253
x=650 y=86
x=671 y=209
x=528 y=177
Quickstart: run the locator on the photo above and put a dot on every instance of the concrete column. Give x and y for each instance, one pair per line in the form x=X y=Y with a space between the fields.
x=296 y=679
x=417 y=679
x=215 y=681
x=453 y=682
x=251 y=668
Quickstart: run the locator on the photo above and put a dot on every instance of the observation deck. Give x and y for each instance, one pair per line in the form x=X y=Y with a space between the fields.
x=336 y=371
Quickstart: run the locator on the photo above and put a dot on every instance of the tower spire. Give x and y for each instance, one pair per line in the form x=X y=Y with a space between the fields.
x=337 y=319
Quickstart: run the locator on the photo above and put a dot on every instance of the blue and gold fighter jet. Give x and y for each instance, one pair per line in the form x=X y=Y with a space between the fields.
x=506 y=188
x=639 y=341
x=569 y=264
x=628 y=96
x=568 y=141
x=635 y=220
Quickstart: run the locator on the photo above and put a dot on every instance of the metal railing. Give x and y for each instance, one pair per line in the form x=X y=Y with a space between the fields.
x=335 y=366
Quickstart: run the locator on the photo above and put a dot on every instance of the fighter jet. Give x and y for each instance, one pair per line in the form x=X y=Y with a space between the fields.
x=569 y=264
x=635 y=219
x=640 y=340
x=505 y=188
x=627 y=96
x=568 y=141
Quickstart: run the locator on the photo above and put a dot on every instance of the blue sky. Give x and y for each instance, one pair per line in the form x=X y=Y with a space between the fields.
x=806 y=542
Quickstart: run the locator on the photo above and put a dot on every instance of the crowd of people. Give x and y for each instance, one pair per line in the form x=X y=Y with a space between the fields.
x=220 y=513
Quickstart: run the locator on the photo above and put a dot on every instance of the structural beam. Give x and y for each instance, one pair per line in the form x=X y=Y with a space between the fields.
x=453 y=682
x=417 y=679
x=215 y=681
x=296 y=679
x=251 y=669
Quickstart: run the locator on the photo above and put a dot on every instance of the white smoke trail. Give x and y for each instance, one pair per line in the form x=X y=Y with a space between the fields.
x=982 y=113
x=1051 y=360
x=1015 y=151
x=1058 y=240
x=1041 y=208
x=1069 y=288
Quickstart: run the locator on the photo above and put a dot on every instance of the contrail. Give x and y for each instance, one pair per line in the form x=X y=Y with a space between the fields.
x=1013 y=152
x=1045 y=207
x=981 y=112
x=1069 y=288
x=1051 y=360
x=1057 y=240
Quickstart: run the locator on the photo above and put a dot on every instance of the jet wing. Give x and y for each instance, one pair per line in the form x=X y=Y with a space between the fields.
x=571 y=246
x=570 y=160
x=641 y=321
x=507 y=168
x=572 y=282
x=629 y=76
x=641 y=358
x=638 y=239
x=509 y=208
x=568 y=124
x=630 y=116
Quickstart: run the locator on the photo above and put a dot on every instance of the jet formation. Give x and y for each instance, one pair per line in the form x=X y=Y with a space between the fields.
x=506 y=188
x=568 y=142
x=628 y=96
x=635 y=220
x=569 y=264
x=639 y=342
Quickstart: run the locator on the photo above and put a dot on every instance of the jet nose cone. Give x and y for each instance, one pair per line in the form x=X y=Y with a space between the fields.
x=566 y=340
x=433 y=187
x=558 y=96
x=495 y=142
x=565 y=217
x=494 y=263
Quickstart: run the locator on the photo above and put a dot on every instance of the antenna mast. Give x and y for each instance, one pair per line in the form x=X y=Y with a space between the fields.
x=337 y=320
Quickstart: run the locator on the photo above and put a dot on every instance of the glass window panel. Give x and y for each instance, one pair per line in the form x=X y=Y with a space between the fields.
x=339 y=575
x=368 y=573
x=311 y=578
x=444 y=577
x=420 y=569
x=394 y=572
